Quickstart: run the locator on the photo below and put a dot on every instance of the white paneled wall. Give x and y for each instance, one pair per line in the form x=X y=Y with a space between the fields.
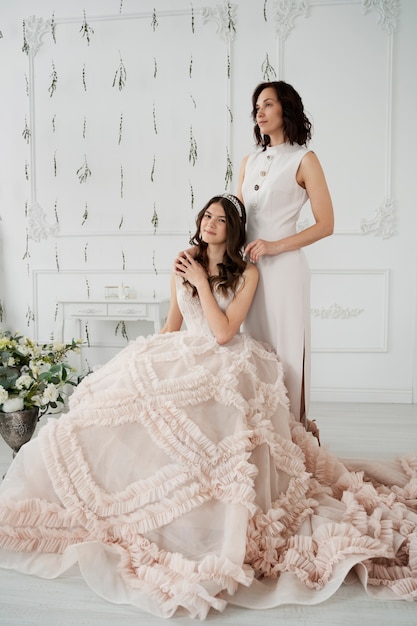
x=155 y=103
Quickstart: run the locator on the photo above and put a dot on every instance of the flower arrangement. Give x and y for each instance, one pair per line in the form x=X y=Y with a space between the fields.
x=33 y=375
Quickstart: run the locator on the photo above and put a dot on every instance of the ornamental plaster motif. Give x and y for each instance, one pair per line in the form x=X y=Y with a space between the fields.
x=38 y=227
x=387 y=10
x=35 y=29
x=284 y=13
x=335 y=311
x=225 y=18
x=383 y=223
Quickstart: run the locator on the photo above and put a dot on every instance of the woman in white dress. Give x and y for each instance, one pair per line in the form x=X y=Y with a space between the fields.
x=178 y=482
x=275 y=182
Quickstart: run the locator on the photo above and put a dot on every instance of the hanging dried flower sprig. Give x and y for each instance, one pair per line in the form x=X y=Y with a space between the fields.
x=121 y=181
x=84 y=79
x=192 y=157
x=120 y=128
x=86 y=253
x=120 y=75
x=86 y=30
x=54 y=81
x=85 y=214
x=56 y=212
x=84 y=171
x=30 y=316
x=153 y=169
x=25 y=47
x=267 y=70
x=26 y=132
x=122 y=326
x=155 y=219
x=57 y=259
x=265 y=17
x=154 y=119
x=154 y=22
x=53 y=27
x=229 y=169
x=191 y=196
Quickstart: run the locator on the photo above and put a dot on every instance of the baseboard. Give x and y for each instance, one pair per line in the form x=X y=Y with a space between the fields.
x=389 y=396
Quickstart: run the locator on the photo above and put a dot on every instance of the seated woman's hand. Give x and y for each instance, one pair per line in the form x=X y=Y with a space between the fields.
x=190 y=269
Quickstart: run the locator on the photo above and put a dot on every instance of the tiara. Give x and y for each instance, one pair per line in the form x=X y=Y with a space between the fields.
x=234 y=201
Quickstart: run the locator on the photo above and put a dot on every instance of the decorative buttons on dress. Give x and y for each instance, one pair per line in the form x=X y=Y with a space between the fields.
x=263 y=173
x=269 y=157
x=256 y=188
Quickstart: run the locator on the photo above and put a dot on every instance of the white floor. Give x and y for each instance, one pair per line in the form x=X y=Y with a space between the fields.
x=349 y=430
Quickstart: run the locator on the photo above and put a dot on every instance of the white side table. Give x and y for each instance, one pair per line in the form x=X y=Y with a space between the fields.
x=80 y=311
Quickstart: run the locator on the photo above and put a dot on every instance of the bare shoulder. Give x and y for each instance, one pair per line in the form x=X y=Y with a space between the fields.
x=251 y=272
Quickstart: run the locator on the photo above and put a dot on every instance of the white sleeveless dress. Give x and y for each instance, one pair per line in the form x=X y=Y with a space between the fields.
x=178 y=482
x=280 y=312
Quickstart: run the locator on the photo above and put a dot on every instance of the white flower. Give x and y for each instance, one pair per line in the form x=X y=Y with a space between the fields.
x=11 y=361
x=4 y=394
x=24 y=381
x=12 y=404
x=50 y=394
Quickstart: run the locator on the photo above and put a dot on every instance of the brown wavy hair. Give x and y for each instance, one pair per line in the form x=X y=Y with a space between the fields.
x=297 y=126
x=232 y=266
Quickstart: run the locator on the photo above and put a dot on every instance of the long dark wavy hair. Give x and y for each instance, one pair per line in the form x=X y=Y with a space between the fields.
x=297 y=126
x=232 y=266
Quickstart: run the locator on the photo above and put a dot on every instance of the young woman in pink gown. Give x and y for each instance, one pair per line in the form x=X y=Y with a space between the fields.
x=275 y=182
x=179 y=482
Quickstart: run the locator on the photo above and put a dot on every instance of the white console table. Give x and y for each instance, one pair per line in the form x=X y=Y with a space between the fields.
x=149 y=310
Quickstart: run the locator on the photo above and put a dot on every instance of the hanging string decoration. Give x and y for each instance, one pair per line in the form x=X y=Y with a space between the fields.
x=265 y=17
x=53 y=123
x=26 y=170
x=153 y=170
x=55 y=165
x=123 y=261
x=56 y=212
x=121 y=181
x=87 y=284
x=86 y=252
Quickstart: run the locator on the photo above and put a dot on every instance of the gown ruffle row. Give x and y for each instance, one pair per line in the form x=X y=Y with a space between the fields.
x=179 y=482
